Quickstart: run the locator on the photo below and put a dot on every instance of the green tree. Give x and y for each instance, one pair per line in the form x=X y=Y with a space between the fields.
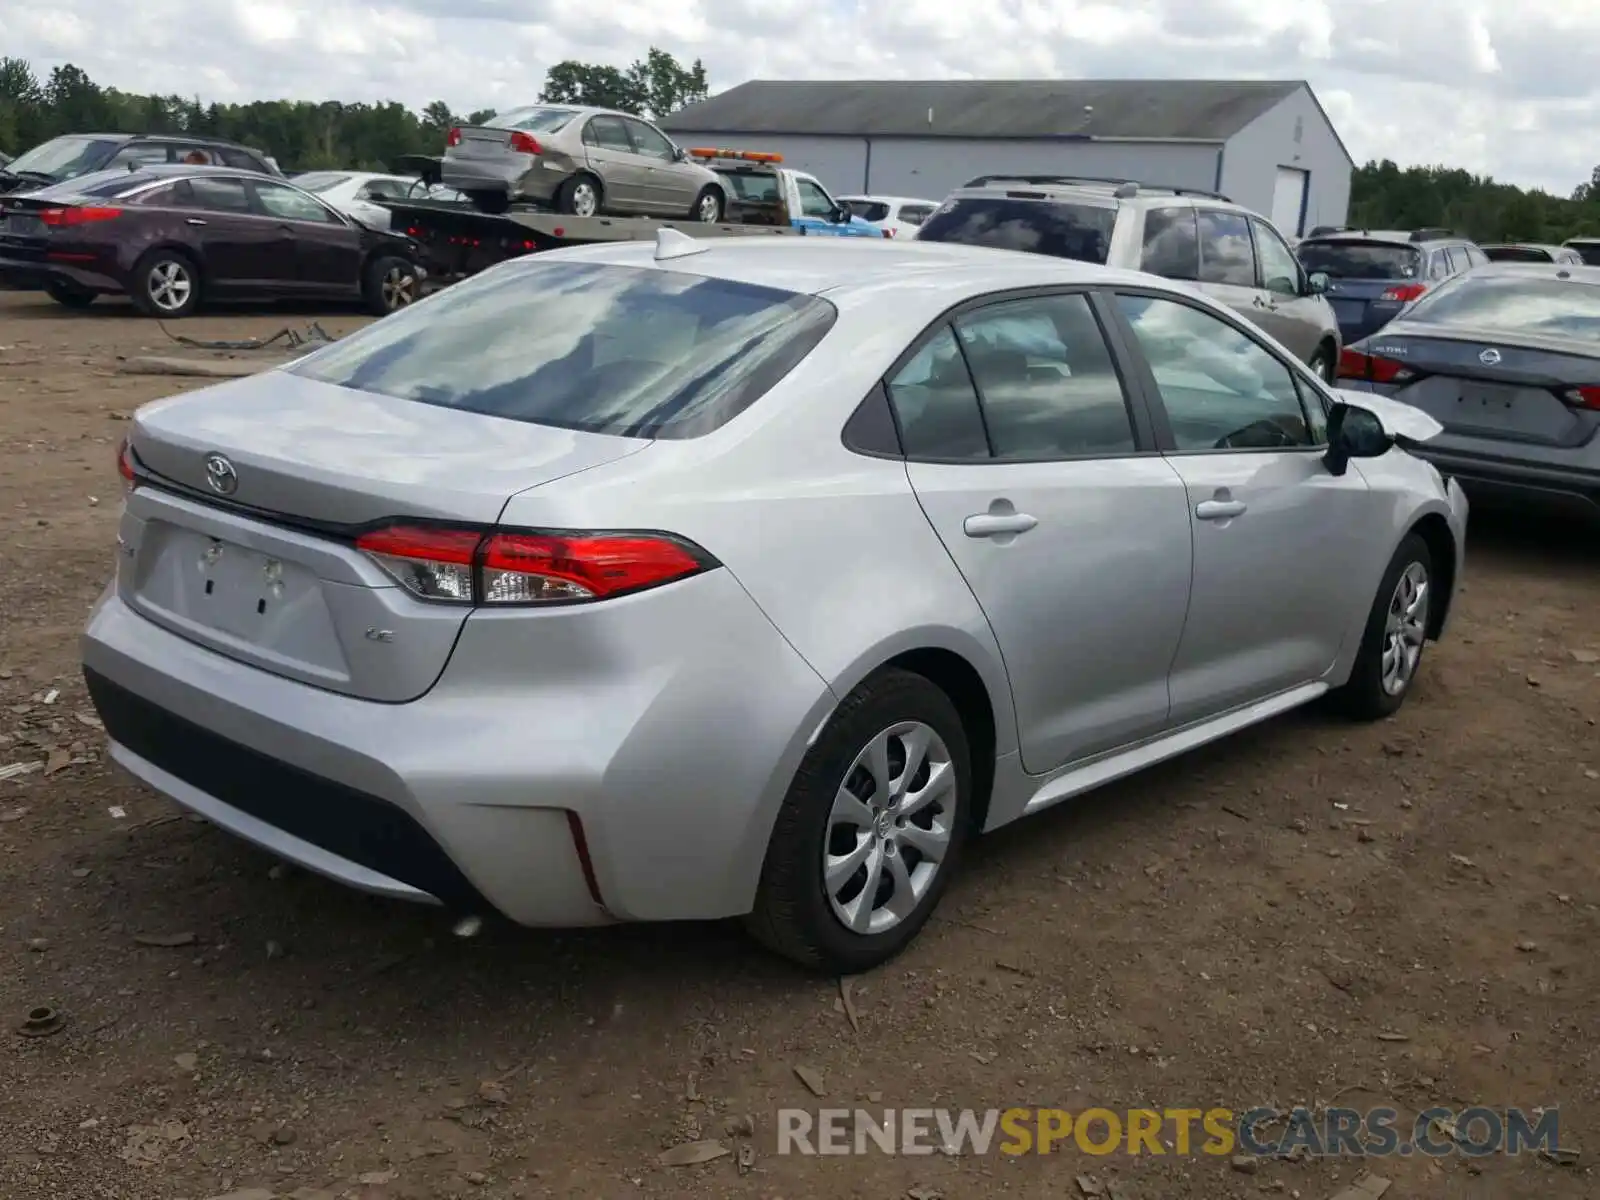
x=654 y=86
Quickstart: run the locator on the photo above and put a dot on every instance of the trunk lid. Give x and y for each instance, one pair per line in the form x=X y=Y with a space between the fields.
x=482 y=141
x=1516 y=396
x=266 y=573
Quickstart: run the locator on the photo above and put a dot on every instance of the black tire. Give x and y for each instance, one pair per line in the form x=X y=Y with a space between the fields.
x=569 y=197
x=69 y=296
x=390 y=283
x=144 y=284
x=1364 y=696
x=708 y=206
x=794 y=915
x=1325 y=364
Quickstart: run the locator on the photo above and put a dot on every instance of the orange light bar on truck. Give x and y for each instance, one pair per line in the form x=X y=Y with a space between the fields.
x=740 y=155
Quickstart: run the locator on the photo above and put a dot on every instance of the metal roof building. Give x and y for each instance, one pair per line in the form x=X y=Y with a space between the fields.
x=1266 y=143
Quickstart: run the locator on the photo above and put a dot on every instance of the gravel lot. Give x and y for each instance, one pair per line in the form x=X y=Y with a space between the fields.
x=1237 y=928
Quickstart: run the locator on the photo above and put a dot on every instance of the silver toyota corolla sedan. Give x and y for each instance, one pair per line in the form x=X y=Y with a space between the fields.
x=747 y=576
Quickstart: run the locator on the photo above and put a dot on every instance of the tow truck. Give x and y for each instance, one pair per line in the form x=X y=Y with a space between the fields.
x=764 y=199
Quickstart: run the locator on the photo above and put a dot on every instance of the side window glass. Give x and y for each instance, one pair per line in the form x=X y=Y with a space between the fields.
x=289 y=205
x=648 y=141
x=1226 y=255
x=1457 y=258
x=219 y=195
x=1221 y=389
x=1316 y=412
x=140 y=154
x=1171 y=244
x=1046 y=380
x=174 y=195
x=814 y=202
x=609 y=134
x=935 y=404
x=1280 y=270
x=915 y=214
x=1439 y=268
x=241 y=161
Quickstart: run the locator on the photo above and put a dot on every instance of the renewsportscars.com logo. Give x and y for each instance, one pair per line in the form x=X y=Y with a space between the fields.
x=1260 y=1132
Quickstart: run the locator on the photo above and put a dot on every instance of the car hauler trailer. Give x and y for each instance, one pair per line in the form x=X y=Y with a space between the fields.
x=763 y=199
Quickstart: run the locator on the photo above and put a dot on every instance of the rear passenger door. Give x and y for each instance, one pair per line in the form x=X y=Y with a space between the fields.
x=1281 y=553
x=237 y=249
x=1040 y=477
x=621 y=169
x=1228 y=272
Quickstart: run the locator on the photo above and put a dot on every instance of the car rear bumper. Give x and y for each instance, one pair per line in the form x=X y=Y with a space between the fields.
x=645 y=794
x=515 y=182
x=30 y=275
x=1572 y=486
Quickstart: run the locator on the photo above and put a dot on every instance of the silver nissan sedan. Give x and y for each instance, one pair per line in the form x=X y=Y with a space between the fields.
x=748 y=577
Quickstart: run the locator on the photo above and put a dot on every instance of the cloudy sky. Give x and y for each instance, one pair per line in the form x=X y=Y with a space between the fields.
x=1507 y=87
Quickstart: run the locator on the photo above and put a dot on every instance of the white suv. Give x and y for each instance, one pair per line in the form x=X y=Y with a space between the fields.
x=1227 y=251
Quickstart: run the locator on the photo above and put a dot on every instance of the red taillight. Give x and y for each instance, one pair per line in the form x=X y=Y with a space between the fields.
x=1405 y=293
x=1584 y=397
x=453 y=138
x=888 y=231
x=58 y=218
x=469 y=566
x=524 y=143
x=125 y=464
x=1371 y=368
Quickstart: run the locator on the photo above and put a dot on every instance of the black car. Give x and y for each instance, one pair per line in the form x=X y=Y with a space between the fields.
x=77 y=154
x=170 y=237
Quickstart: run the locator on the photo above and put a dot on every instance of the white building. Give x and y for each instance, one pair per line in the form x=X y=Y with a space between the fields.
x=1265 y=144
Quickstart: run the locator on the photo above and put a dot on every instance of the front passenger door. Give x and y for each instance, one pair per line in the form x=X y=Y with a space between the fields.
x=669 y=186
x=1281 y=558
x=1036 y=474
x=1291 y=315
x=322 y=251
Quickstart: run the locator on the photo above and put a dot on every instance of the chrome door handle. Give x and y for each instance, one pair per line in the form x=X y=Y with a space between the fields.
x=1219 y=510
x=193 y=221
x=983 y=525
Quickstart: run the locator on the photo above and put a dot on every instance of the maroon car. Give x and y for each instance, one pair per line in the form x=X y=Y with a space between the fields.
x=170 y=237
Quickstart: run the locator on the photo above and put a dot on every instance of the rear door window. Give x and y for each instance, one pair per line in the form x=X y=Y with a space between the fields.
x=1053 y=227
x=1171 y=243
x=606 y=349
x=142 y=154
x=1350 y=259
x=1226 y=253
x=1045 y=379
x=867 y=210
x=220 y=195
x=607 y=133
x=936 y=405
x=915 y=214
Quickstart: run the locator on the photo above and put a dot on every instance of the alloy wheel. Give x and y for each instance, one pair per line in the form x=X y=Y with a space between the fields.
x=1405 y=629
x=585 y=200
x=399 y=287
x=169 y=285
x=708 y=208
x=889 y=829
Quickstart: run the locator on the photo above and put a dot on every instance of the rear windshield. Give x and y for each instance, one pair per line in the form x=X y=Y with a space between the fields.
x=638 y=352
x=1361 y=260
x=1535 y=304
x=319 y=181
x=867 y=210
x=64 y=157
x=1588 y=251
x=537 y=120
x=1080 y=231
x=1516 y=254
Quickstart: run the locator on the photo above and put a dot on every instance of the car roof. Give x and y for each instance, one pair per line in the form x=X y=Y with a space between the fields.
x=880 y=198
x=1520 y=246
x=1396 y=236
x=844 y=267
x=1096 y=191
x=1542 y=270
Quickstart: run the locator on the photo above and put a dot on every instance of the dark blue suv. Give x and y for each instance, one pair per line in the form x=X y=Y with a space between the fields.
x=1373 y=273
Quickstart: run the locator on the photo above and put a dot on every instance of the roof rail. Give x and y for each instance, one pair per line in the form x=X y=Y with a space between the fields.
x=1133 y=186
x=1325 y=230
x=1428 y=234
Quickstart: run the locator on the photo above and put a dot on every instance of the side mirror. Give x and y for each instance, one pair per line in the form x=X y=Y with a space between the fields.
x=1317 y=282
x=841 y=213
x=679 y=154
x=1354 y=433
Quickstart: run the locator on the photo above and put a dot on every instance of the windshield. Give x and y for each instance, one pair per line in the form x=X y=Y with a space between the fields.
x=538 y=119
x=1361 y=260
x=319 y=181
x=1080 y=231
x=605 y=349
x=1533 y=254
x=1509 y=304
x=64 y=157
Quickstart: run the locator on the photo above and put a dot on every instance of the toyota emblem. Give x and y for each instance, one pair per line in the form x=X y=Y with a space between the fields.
x=1490 y=357
x=224 y=480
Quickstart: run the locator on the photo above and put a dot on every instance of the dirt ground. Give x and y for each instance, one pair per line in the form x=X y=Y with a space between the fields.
x=1402 y=914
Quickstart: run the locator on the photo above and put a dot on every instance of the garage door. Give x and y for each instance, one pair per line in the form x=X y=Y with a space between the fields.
x=1289 y=200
